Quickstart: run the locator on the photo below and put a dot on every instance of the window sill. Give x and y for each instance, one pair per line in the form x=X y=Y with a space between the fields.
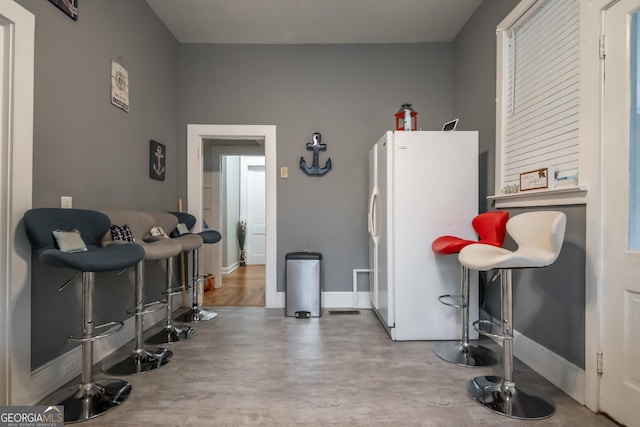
x=575 y=195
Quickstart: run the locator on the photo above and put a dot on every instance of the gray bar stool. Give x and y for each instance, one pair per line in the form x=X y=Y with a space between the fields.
x=141 y=360
x=78 y=248
x=539 y=236
x=196 y=313
x=171 y=332
x=491 y=229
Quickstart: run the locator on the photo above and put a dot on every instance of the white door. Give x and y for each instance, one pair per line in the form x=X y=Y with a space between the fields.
x=254 y=191
x=620 y=382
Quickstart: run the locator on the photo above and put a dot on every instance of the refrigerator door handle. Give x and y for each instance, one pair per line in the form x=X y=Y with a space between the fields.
x=371 y=220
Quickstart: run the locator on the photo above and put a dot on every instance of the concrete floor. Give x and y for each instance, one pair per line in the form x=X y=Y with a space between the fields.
x=253 y=366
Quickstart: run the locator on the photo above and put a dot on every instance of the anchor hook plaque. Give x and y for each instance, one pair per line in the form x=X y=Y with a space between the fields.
x=316 y=146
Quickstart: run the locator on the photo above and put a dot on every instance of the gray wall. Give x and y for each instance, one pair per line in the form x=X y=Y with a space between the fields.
x=474 y=85
x=548 y=303
x=349 y=93
x=88 y=149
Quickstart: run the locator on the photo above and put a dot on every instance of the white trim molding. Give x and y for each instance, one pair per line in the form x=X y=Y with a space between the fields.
x=556 y=197
x=17 y=38
x=342 y=299
x=557 y=370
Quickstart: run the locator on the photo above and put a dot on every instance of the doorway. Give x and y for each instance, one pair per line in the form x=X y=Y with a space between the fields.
x=236 y=184
x=197 y=140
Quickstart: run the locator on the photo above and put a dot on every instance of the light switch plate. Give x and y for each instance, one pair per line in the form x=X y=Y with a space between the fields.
x=284 y=172
x=66 y=202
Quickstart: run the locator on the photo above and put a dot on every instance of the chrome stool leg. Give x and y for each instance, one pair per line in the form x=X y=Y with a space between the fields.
x=501 y=395
x=196 y=313
x=141 y=360
x=464 y=353
x=171 y=333
x=90 y=398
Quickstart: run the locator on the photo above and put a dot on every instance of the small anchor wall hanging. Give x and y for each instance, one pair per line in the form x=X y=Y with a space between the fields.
x=316 y=147
x=157 y=160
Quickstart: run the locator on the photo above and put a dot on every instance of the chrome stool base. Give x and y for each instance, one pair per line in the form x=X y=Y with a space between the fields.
x=196 y=315
x=101 y=397
x=140 y=363
x=466 y=355
x=495 y=394
x=169 y=335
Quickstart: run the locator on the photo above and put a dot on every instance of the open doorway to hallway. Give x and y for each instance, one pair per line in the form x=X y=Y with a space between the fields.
x=256 y=137
x=234 y=199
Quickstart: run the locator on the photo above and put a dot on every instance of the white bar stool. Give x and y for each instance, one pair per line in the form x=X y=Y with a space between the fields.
x=539 y=236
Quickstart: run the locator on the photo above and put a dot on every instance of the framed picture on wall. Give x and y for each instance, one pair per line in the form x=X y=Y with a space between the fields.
x=157 y=160
x=70 y=7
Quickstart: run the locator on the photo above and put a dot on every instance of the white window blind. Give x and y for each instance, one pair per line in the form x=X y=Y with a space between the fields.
x=541 y=98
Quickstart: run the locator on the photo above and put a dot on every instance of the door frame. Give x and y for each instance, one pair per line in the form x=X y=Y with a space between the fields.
x=16 y=189
x=196 y=135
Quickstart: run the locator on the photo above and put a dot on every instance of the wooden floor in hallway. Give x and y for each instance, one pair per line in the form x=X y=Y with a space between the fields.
x=244 y=287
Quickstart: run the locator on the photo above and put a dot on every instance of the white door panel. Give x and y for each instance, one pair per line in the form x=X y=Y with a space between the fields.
x=620 y=385
x=254 y=190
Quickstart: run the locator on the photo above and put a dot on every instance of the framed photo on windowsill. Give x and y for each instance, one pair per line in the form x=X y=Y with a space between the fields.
x=534 y=180
x=70 y=7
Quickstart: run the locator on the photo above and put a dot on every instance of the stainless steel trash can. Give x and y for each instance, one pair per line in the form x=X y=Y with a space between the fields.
x=302 y=284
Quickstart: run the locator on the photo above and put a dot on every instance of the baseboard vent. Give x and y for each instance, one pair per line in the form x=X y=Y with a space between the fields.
x=344 y=311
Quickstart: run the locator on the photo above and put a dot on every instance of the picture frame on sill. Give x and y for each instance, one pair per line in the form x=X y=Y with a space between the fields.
x=70 y=7
x=157 y=160
x=534 y=180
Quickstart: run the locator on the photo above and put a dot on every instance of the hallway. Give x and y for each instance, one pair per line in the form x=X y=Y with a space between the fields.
x=244 y=287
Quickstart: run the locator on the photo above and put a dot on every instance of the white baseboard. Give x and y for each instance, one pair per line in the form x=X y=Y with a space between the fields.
x=230 y=269
x=55 y=373
x=345 y=300
x=334 y=300
x=568 y=377
x=556 y=369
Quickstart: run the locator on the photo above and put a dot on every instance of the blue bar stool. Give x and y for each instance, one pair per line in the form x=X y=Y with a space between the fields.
x=141 y=359
x=70 y=238
x=196 y=313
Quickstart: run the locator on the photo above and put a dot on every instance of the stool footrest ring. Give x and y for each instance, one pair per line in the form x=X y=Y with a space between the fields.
x=176 y=290
x=455 y=301
x=477 y=325
x=147 y=308
x=109 y=328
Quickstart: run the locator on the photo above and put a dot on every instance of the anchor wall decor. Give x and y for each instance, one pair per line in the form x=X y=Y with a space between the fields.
x=316 y=147
x=157 y=160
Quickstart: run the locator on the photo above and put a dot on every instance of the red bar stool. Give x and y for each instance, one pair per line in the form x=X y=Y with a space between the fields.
x=491 y=229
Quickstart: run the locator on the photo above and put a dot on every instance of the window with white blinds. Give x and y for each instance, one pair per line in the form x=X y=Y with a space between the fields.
x=540 y=105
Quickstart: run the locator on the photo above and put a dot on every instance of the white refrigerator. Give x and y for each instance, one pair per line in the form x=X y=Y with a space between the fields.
x=422 y=185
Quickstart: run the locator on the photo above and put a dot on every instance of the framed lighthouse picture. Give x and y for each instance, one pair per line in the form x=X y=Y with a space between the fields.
x=157 y=160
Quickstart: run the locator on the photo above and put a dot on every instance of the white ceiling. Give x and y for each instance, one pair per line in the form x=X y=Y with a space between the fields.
x=314 y=21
